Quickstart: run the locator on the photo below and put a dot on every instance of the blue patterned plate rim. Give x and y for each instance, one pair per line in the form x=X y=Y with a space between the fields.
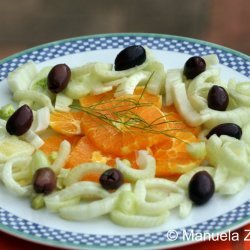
x=41 y=234
x=155 y=35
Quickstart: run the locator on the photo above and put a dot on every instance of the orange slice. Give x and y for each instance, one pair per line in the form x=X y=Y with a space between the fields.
x=173 y=158
x=123 y=127
x=53 y=142
x=66 y=123
x=85 y=151
x=139 y=94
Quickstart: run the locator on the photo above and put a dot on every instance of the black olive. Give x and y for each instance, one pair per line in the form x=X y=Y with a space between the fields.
x=130 y=57
x=20 y=121
x=194 y=66
x=44 y=180
x=58 y=78
x=217 y=98
x=201 y=187
x=230 y=129
x=111 y=179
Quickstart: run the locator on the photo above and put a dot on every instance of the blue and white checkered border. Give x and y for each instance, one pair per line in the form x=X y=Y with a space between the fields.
x=38 y=233
x=227 y=57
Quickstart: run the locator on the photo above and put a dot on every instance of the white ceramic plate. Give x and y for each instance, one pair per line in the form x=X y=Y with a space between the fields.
x=218 y=215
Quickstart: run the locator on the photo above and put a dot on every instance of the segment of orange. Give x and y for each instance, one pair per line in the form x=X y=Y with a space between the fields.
x=152 y=129
x=66 y=123
x=53 y=142
x=139 y=94
x=177 y=120
x=123 y=126
x=173 y=158
x=85 y=151
x=147 y=97
x=89 y=100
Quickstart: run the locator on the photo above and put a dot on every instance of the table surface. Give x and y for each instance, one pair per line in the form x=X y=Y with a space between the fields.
x=240 y=242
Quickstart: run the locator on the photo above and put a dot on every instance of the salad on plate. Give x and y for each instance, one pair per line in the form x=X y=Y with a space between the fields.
x=132 y=140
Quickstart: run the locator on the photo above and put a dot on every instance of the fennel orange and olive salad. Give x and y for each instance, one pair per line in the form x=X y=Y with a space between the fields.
x=130 y=140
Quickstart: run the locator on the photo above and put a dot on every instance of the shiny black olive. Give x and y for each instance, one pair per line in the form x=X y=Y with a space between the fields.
x=230 y=129
x=58 y=78
x=201 y=188
x=20 y=121
x=130 y=57
x=111 y=179
x=217 y=98
x=44 y=180
x=194 y=66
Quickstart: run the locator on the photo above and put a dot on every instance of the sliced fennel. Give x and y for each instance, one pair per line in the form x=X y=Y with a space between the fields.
x=37 y=202
x=39 y=160
x=184 y=179
x=105 y=71
x=174 y=76
x=162 y=184
x=88 y=210
x=60 y=176
x=137 y=220
x=6 y=111
x=232 y=185
x=159 y=207
x=3 y=131
x=213 y=118
x=39 y=82
x=7 y=176
x=78 y=87
x=78 y=172
x=146 y=169
x=41 y=120
x=73 y=194
x=198 y=99
x=116 y=82
x=174 y=196
x=242 y=87
x=84 y=81
x=197 y=85
x=157 y=79
x=21 y=77
x=12 y=146
x=230 y=155
x=81 y=212
x=246 y=133
x=62 y=157
x=182 y=104
x=197 y=150
x=34 y=139
x=185 y=208
x=128 y=87
x=235 y=157
x=63 y=102
x=213 y=146
x=239 y=98
x=220 y=176
x=127 y=202
x=39 y=99
x=155 y=194
x=82 y=70
x=211 y=60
